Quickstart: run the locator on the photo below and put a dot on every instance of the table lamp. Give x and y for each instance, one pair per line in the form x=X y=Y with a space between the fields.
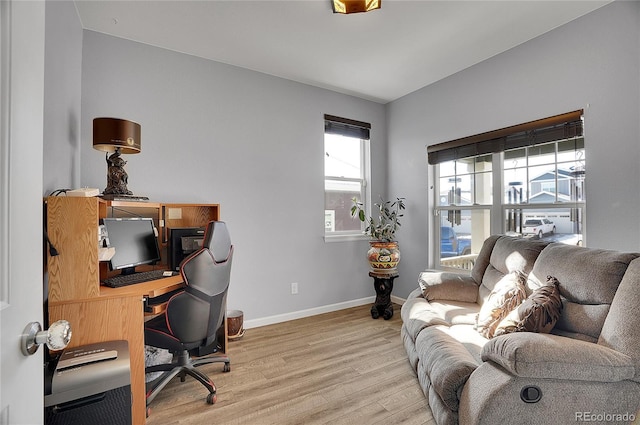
x=118 y=136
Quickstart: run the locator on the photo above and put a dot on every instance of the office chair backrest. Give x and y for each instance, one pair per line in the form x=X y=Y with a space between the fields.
x=198 y=313
x=208 y=269
x=217 y=239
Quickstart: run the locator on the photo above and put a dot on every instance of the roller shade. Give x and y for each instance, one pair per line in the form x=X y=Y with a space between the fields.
x=346 y=127
x=545 y=130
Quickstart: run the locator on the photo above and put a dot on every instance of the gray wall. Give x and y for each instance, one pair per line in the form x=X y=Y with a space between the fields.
x=592 y=63
x=249 y=141
x=63 y=71
x=253 y=143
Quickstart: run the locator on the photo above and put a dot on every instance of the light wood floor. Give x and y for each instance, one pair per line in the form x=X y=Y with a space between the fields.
x=337 y=368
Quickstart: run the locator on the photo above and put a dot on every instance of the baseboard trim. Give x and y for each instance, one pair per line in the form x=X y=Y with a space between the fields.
x=285 y=317
x=397 y=300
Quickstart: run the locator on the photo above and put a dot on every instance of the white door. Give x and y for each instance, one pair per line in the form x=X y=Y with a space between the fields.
x=21 y=264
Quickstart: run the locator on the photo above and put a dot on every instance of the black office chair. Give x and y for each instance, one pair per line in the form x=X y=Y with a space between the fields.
x=193 y=323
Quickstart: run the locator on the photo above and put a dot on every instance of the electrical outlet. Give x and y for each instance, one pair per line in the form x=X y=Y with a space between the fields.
x=294 y=288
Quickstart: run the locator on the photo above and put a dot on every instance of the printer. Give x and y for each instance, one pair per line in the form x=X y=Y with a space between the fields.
x=90 y=384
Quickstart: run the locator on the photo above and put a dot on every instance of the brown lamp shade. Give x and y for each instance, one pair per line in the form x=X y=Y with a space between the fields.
x=112 y=133
x=355 y=6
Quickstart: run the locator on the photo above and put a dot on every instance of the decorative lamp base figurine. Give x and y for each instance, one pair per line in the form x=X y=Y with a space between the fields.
x=117 y=177
x=383 y=284
x=116 y=137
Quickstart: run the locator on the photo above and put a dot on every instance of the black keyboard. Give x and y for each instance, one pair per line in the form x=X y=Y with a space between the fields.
x=138 y=277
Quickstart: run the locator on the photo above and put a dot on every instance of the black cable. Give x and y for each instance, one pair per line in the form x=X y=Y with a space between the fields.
x=52 y=249
x=59 y=192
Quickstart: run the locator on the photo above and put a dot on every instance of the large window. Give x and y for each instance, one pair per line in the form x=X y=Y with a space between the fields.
x=346 y=171
x=544 y=190
x=463 y=210
x=538 y=169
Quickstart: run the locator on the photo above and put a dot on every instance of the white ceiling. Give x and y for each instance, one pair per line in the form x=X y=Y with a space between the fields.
x=380 y=55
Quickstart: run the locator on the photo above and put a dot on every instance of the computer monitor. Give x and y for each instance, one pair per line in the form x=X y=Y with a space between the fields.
x=182 y=242
x=135 y=242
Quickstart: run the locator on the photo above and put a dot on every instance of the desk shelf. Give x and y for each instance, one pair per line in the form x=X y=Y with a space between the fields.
x=99 y=313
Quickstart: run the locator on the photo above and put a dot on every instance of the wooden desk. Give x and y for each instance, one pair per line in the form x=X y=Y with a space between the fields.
x=116 y=314
x=97 y=313
x=147 y=291
x=151 y=289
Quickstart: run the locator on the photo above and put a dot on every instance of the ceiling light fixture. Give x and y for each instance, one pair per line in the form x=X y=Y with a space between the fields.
x=354 y=6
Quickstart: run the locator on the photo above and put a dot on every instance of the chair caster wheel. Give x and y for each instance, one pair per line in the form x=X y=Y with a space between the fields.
x=212 y=398
x=227 y=367
x=148 y=412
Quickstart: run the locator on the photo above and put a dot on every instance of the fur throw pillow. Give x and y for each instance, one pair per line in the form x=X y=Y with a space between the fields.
x=508 y=293
x=538 y=313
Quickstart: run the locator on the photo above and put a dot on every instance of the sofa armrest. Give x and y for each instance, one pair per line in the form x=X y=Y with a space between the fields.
x=492 y=396
x=437 y=285
x=535 y=355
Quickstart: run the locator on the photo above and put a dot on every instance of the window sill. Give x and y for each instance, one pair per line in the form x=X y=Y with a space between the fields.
x=346 y=238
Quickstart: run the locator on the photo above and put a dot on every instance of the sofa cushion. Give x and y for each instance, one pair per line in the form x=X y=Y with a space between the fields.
x=447 y=363
x=484 y=256
x=456 y=312
x=538 y=313
x=469 y=338
x=509 y=254
x=621 y=330
x=581 y=319
x=589 y=279
x=437 y=285
x=536 y=355
x=417 y=314
x=506 y=295
x=410 y=348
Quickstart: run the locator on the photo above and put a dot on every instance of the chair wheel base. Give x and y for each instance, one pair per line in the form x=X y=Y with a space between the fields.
x=212 y=398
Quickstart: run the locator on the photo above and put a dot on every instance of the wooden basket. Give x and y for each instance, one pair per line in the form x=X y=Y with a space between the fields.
x=235 y=327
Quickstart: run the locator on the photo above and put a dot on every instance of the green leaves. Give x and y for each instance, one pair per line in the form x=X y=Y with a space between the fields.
x=384 y=228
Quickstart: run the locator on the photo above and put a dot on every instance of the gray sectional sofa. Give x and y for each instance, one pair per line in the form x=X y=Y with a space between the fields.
x=587 y=369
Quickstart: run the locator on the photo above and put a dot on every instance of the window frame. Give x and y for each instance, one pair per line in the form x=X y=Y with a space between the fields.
x=495 y=143
x=576 y=206
x=364 y=179
x=440 y=210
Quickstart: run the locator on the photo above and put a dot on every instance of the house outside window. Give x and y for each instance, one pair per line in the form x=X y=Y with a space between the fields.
x=531 y=174
x=346 y=173
x=546 y=182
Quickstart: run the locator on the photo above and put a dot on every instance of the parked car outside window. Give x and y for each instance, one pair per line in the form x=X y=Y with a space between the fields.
x=452 y=245
x=538 y=227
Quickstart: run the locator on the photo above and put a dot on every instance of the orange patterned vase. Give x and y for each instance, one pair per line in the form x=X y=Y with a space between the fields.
x=383 y=256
